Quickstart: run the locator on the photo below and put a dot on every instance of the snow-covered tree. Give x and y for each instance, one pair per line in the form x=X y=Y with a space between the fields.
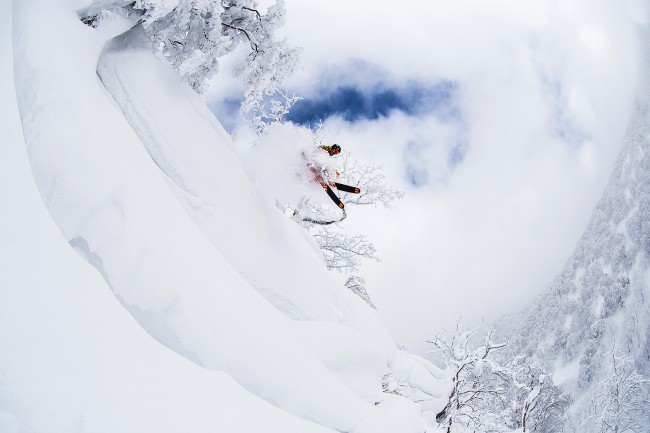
x=193 y=34
x=620 y=402
x=544 y=406
x=477 y=380
x=495 y=395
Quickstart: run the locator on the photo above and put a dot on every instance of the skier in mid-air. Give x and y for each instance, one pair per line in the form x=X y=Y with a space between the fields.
x=328 y=177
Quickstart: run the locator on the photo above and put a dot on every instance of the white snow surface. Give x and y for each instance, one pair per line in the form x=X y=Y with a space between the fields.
x=145 y=284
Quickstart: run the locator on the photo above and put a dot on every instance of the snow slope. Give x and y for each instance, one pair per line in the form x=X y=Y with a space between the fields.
x=139 y=179
x=194 y=152
x=73 y=359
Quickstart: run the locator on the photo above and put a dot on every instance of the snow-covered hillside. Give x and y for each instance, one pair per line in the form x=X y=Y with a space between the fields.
x=593 y=323
x=144 y=284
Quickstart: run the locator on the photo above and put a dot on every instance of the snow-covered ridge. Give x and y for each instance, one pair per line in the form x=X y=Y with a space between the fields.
x=598 y=304
x=137 y=177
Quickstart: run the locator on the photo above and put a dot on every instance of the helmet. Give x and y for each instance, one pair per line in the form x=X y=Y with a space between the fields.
x=336 y=148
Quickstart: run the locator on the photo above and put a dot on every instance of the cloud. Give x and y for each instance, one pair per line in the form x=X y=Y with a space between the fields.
x=502 y=173
x=417 y=170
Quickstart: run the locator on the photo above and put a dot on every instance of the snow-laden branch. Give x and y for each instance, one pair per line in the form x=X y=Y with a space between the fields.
x=371 y=181
x=358 y=286
x=368 y=177
x=344 y=252
x=263 y=117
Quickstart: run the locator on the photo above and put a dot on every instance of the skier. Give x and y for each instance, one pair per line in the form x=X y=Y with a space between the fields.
x=327 y=176
x=334 y=149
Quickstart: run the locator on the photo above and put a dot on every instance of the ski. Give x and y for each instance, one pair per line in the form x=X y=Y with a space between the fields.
x=333 y=196
x=347 y=188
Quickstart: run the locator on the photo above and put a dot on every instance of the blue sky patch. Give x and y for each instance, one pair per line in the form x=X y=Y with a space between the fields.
x=354 y=103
